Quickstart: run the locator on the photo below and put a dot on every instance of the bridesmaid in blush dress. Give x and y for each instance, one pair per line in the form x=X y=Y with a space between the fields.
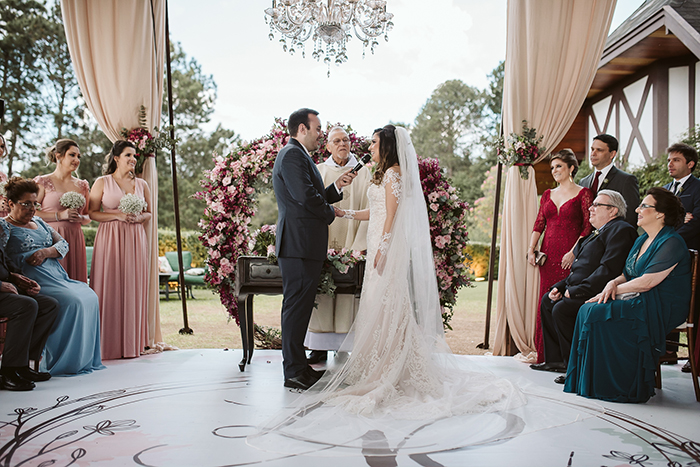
x=563 y=217
x=66 y=155
x=119 y=273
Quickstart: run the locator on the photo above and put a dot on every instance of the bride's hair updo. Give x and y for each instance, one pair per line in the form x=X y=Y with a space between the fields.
x=110 y=165
x=388 y=155
x=59 y=150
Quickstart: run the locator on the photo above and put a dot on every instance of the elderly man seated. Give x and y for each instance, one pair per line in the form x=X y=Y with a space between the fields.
x=30 y=318
x=600 y=257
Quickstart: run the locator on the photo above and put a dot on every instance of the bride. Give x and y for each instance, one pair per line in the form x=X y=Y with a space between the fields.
x=401 y=377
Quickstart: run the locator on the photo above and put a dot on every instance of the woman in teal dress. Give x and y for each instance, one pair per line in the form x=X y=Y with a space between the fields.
x=621 y=333
x=73 y=346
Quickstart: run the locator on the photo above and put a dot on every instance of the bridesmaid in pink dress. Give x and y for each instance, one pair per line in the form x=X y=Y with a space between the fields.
x=563 y=217
x=66 y=155
x=4 y=210
x=119 y=273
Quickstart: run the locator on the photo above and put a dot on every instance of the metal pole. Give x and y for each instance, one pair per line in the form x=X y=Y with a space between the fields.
x=176 y=203
x=492 y=259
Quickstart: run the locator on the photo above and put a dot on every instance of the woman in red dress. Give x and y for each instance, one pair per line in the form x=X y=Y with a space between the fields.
x=563 y=217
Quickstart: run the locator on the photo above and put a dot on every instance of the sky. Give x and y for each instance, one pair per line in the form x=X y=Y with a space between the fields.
x=432 y=42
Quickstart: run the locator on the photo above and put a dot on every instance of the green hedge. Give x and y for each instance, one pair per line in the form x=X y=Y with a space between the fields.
x=167 y=242
x=479 y=265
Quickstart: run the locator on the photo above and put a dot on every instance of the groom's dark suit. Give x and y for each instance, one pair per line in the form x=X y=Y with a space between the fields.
x=600 y=257
x=622 y=182
x=304 y=213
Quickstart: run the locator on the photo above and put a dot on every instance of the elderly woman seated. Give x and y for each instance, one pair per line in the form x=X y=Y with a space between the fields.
x=73 y=347
x=621 y=333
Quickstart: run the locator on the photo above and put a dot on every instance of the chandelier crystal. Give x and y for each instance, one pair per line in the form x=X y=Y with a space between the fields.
x=329 y=23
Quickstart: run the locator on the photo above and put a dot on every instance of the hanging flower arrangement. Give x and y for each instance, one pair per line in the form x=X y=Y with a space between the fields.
x=147 y=145
x=520 y=150
x=230 y=192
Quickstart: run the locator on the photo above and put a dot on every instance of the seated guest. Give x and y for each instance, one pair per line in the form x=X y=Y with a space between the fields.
x=621 y=332
x=73 y=347
x=600 y=258
x=30 y=318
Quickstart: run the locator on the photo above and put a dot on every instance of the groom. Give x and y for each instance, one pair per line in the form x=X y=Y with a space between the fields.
x=304 y=213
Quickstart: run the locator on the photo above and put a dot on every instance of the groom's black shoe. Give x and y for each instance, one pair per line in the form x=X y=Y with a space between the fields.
x=315 y=374
x=317 y=356
x=302 y=381
x=557 y=367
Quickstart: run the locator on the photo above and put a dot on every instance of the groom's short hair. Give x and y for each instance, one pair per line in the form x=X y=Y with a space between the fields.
x=297 y=118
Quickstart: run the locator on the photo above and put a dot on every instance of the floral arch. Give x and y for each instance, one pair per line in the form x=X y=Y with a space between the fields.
x=230 y=192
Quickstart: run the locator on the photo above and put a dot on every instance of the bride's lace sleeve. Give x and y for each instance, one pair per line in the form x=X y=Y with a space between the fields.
x=392 y=187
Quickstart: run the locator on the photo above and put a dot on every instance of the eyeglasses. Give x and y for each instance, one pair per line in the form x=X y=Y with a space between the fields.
x=646 y=206
x=595 y=205
x=338 y=141
x=28 y=205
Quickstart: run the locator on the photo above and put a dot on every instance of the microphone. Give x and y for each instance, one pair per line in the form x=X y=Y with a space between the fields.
x=365 y=159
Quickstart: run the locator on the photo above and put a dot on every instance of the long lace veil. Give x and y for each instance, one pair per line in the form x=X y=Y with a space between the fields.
x=434 y=401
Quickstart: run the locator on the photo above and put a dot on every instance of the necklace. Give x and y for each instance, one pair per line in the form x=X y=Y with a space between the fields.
x=15 y=220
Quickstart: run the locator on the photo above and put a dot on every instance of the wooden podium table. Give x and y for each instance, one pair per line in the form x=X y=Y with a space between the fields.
x=256 y=276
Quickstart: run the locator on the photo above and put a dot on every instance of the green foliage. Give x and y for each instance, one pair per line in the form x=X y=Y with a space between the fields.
x=481 y=212
x=448 y=123
x=654 y=174
x=479 y=263
x=24 y=33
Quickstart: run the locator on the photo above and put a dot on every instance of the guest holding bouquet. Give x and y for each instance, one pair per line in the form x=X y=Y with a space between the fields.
x=4 y=210
x=73 y=346
x=563 y=217
x=63 y=199
x=120 y=202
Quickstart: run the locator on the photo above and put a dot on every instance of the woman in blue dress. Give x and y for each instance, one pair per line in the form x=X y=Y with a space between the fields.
x=74 y=344
x=621 y=333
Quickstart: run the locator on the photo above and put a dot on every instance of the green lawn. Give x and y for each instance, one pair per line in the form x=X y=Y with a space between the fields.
x=213 y=330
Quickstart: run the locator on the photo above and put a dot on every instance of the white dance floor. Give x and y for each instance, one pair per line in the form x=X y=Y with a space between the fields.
x=194 y=408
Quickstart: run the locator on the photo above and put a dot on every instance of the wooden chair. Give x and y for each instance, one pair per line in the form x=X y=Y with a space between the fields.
x=688 y=328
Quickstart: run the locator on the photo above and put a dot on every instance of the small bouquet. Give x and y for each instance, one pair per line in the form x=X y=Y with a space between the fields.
x=132 y=204
x=72 y=200
x=263 y=239
x=520 y=150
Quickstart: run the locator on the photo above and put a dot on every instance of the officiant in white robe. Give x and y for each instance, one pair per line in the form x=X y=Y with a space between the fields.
x=332 y=319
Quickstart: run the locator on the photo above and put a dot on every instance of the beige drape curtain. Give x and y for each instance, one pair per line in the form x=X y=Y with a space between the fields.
x=552 y=52
x=117 y=48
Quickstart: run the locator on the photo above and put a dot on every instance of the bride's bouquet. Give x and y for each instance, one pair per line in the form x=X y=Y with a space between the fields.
x=132 y=204
x=72 y=200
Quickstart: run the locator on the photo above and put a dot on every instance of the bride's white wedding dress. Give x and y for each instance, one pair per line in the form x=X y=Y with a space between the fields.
x=401 y=389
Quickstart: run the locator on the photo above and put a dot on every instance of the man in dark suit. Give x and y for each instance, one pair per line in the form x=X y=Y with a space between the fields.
x=682 y=160
x=30 y=319
x=304 y=213
x=600 y=257
x=608 y=177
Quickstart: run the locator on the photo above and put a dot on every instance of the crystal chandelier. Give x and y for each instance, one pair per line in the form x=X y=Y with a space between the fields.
x=329 y=24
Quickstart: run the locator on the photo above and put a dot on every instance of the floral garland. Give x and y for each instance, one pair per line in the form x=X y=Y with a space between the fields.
x=448 y=231
x=521 y=150
x=230 y=190
x=146 y=144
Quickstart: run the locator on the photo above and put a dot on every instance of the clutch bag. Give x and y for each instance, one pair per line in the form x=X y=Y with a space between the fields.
x=540 y=257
